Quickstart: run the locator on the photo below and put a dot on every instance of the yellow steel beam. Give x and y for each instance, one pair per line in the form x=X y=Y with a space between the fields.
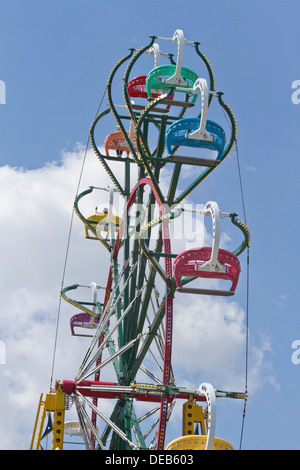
x=53 y=403
x=192 y=415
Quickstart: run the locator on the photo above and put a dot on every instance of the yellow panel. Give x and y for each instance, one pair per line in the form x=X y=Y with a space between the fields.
x=59 y=419
x=197 y=443
x=192 y=414
x=55 y=403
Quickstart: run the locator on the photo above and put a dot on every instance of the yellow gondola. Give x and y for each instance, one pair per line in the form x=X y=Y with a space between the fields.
x=101 y=222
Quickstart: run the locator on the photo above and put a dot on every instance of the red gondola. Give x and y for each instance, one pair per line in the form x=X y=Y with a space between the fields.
x=137 y=89
x=193 y=263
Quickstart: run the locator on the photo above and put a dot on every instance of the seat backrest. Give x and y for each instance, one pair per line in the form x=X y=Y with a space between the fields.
x=137 y=89
x=176 y=135
x=197 y=442
x=190 y=261
x=82 y=320
x=116 y=141
x=157 y=79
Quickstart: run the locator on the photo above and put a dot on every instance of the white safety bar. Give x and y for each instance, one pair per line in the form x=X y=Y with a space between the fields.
x=212 y=208
x=200 y=86
x=208 y=390
x=178 y=38
x=154 y=50
x=173 y=39
x=94 y=298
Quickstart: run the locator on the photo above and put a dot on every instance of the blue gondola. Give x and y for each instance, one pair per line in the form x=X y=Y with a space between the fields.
x=178 y=135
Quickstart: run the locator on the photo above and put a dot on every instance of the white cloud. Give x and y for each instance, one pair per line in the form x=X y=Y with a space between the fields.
x=210 y=344
x=211 y=335
x=35 y=214
x=251 y=168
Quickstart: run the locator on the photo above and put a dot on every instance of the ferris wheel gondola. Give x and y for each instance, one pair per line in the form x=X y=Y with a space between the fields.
x=197 y=132
x=210 y=262
x=84 y=320
x=181 y=133
x=137 y=86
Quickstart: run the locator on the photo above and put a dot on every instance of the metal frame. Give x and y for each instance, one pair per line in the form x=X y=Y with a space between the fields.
x=133 y=334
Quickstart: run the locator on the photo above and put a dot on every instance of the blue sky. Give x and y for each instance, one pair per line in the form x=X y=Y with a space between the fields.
x=55 y=60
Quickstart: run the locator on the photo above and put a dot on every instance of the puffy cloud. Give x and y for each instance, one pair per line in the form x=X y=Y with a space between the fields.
x=35 y=214
x=210 y=346
x=211 y=335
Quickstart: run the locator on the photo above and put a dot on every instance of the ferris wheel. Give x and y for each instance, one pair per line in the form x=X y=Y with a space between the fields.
x=125 y=389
